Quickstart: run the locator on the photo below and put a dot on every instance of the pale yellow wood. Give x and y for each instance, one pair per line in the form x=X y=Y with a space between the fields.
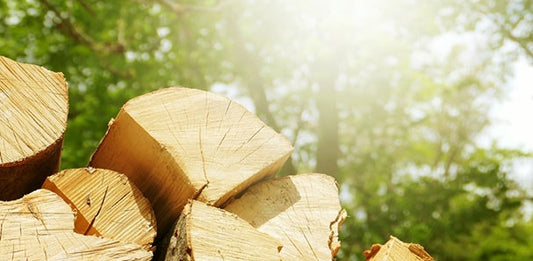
x=208 y=233
x=33 y=116
x=396 y=250
x=177 y=143
x=40 y=225
x=302 y=211
x=107 y=204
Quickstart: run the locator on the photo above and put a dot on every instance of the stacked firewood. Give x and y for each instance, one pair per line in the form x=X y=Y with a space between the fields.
x=181 y=174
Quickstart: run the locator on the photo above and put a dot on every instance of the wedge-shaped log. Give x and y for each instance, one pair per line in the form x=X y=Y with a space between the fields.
x=107 y=204
x=396 y=250
x=208 y=233
x=40 y=226
x=177 y=143
x=301 y=211
x=33 y=118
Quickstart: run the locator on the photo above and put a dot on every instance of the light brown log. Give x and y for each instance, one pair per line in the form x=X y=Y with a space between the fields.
x=33 y=116
x=107 y=204
x=208 y=233
x=40 y=225
x=396 y=250
x=177 y=143
x=302 y=211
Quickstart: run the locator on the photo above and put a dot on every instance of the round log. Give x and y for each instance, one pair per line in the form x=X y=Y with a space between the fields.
x=33 y=119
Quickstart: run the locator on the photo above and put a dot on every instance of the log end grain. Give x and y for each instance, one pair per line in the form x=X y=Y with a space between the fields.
x=34 y=109
x=107 y=204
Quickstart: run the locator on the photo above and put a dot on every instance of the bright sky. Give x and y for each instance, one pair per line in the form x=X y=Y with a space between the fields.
x=513 y=121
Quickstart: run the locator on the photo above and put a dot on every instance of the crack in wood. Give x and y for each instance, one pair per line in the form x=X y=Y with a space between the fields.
x=98 y=212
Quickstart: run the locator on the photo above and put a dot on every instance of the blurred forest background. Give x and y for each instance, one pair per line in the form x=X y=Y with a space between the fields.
x=387 y=96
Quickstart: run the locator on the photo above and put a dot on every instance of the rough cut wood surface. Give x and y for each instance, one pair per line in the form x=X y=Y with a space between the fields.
x=40 y=225
x=33 y=116
x=396 y=250
x=208 y=233
x=302 y=211
x=177 y=143
x=107 y=204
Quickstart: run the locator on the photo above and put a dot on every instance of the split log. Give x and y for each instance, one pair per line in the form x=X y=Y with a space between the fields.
x=107 y=204
x=178 y=144
x=396 y=250
x=208 y=233
x=33 y=117
x=302 y=211
x=40 y=225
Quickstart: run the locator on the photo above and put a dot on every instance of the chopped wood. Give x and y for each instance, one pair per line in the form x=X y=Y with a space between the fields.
x=396 y=250
x=302 y=211
x=107 y=204
x=33 y=117
x=208 y=233
x=40 y=225
x=177 y=143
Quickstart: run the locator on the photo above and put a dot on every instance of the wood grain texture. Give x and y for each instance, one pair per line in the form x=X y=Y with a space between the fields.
x=33 y=116
x=40 y=226
x=208 y=233
x=396 y=250
x=178 y=144
x=302 y=211
x=107 y=204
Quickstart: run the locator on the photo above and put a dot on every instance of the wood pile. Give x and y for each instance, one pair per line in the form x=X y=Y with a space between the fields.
x=181 y=174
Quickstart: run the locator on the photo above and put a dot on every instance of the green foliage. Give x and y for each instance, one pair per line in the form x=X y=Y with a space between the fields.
x=388 y=96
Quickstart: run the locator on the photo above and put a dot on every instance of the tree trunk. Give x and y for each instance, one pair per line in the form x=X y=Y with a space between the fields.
x=107 y=204
x=255 y=84
x=178 y=144
x=327 y=154
x=33 y=117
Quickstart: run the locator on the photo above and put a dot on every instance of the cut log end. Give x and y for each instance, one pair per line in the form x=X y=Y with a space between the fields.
x=207 y=233
x=40 y=225
x=302 y=211
x=34 y=106
x=107 y=204
x=177 y=144
x=396 y=250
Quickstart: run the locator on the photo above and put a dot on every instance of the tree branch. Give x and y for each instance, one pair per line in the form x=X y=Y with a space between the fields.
x=68 y=28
